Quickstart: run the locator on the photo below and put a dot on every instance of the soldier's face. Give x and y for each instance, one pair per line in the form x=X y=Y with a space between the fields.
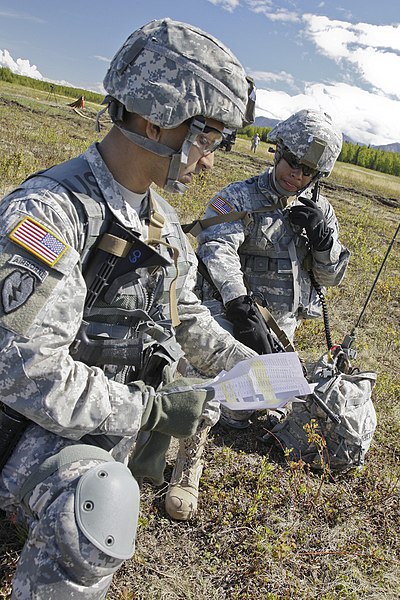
x=290 y=178
x=201 y=154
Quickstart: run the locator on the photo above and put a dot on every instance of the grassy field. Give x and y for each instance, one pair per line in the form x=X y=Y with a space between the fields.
x=267 y=528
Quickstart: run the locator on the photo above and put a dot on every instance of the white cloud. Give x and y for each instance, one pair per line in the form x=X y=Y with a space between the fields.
x=228 y=5
x=372 y=49
x=267 y=8
x=378 y=68
x=20 y=66
x=379 y=36
x=269 y=76
x=97 y=87
x=363 y=116
x=102 y=58
x=332 y=37
x=12 y=14
x=271 y=11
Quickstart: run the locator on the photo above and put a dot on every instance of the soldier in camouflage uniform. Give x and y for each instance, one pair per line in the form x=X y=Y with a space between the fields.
x=288 y=235
x=91 y=329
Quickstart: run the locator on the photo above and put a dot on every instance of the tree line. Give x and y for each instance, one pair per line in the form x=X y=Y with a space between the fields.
x=355 y=154
x=63 y=90
x=362 y=156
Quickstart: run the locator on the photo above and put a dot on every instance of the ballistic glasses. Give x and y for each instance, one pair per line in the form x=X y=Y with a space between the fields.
x=294 y=163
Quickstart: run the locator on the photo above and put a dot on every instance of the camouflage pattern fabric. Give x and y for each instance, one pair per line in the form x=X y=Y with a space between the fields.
x=40 y=313
x=57 y=561
x=267 y=254
x=300 y=132
x=169 y=71
x=347 y=442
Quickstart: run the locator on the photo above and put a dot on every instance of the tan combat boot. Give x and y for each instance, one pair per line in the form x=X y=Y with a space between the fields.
x=183 y=490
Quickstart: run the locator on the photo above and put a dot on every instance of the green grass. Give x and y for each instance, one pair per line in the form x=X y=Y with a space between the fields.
x=266 y=528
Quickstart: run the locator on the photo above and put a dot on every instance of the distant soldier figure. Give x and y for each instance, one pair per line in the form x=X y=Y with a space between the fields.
x=255 y=142
x=97 y=307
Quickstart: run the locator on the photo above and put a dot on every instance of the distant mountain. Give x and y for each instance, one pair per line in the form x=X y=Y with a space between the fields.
x=389 y=147
x=265 y=122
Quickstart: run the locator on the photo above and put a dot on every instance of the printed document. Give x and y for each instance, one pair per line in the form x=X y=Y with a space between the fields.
x=264 y=382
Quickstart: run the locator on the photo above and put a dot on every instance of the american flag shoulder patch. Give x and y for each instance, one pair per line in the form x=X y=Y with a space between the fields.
x=38 y=240
x=222 y=206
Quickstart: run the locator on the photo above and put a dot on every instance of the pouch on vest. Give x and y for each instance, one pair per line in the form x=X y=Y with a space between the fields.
x=119 y=252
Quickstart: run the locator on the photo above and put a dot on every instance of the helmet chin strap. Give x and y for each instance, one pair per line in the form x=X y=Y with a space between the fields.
x=181 y=158
x=178 y=158
x=172 y=184
x=279 y=189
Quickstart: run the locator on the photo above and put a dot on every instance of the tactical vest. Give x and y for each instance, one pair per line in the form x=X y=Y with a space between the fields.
x=272 y=259
x=125 y=328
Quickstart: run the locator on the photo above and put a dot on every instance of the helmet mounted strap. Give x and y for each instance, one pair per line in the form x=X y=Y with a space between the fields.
x=197 y=125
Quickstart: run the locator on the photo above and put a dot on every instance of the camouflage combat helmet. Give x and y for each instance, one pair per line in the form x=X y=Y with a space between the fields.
x=312 y=137
x=169 y=73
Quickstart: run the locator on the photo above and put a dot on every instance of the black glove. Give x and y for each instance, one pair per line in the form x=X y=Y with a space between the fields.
x=311 y=218
x=249 y=326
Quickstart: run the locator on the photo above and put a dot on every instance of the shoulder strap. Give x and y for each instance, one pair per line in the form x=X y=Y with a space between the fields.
x=156 y=223
x=278 y=331
x=197 y=226
x=75 y=175
x=156 y=219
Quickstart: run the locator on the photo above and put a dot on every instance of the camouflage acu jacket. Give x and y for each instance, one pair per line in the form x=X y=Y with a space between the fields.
x=263 y=254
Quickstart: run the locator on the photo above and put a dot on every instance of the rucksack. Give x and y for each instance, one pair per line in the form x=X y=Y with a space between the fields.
x=344 y=415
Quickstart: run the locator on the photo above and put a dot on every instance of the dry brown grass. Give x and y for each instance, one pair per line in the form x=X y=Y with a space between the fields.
x=262 y=531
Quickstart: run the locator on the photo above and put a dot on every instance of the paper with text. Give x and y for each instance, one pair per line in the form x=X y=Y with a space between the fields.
x=263 y=382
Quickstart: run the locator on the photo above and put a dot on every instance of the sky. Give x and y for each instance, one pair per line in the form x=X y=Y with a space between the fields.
x=342 y=57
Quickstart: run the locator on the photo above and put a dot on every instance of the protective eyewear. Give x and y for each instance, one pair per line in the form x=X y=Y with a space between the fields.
x=208 y=140
x=294 y=163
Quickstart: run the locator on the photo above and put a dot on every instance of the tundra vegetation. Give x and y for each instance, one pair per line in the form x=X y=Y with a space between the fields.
x=267 y=527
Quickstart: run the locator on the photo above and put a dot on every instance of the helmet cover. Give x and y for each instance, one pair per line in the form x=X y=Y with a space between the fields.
x=312 y=137
x=168 y=72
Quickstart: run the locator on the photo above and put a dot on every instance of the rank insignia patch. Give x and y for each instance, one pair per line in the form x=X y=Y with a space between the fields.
x=38 y=240
x=222 y=206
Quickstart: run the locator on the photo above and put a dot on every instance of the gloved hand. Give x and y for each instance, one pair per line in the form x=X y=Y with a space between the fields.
x=177 y=408
x=249 y=326
x=311 y=218
x=148 y=458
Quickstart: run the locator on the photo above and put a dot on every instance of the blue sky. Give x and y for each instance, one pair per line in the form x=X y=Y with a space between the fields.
x=342 y=56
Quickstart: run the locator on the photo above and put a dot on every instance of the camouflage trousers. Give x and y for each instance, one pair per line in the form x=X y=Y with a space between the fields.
x=57 y=562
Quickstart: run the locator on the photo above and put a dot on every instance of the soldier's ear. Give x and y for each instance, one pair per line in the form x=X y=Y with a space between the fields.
x=153 y=132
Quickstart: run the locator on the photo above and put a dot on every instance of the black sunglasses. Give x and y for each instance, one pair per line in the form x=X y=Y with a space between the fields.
x=293 y=162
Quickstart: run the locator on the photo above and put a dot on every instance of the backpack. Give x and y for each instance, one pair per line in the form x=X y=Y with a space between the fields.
x=344 y=414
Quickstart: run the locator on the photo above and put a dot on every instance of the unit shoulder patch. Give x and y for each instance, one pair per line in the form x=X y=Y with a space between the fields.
x=222 y=206
x=39 y=241
x=17 y=289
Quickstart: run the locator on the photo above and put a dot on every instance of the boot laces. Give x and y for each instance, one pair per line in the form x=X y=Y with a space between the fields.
x=188 y=458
